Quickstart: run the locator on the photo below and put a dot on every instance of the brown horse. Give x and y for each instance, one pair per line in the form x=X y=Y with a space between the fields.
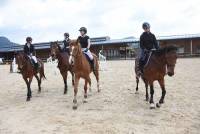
x=28 y=71
x=160 y=61
x=63 y=63
x=82 y=69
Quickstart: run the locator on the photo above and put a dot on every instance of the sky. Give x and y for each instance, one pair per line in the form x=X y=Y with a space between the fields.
x=47 y=20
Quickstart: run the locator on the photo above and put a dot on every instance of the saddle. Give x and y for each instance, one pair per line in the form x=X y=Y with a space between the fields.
x=37 y=65
x=144 y=59
x=88 y=58
x=147 y=57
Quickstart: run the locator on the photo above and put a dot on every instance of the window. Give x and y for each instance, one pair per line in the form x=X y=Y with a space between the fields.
x=181 y=50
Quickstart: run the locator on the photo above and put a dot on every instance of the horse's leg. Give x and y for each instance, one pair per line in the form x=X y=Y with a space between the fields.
x=147 y=93
x=96 y=73
x=89 y=81
x=64 y=75
x=28 y=89
x=152 y=106
x=30 y=80
x=97 y=78
x=28 y=83
x=39 y=82
x=85 y=91
x=162 y=85
x=137 y=83
x=72 y=77
x=77 y=78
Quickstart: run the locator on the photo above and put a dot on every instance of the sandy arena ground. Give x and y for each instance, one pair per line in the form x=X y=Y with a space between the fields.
x=116 y=110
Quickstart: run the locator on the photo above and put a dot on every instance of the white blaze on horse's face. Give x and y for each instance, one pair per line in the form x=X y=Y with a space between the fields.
x=71 y=58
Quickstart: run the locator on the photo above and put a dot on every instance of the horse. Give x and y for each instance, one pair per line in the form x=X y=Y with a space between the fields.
x=28 y=71
x=160 y=62
x=63 y=63
x=82 y=69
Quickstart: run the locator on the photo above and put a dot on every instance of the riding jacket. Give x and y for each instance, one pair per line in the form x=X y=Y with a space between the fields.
x=29 y=50
x=66 y=45
x=148 y=41
x=83 y=41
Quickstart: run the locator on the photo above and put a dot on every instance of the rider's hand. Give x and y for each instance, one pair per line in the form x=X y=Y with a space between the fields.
x=86 y=50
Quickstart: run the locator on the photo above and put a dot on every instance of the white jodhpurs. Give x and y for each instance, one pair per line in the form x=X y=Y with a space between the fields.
x=88 y=53
x=34 y=58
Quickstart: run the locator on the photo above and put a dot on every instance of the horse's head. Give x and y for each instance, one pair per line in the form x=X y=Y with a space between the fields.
x=75 y=50
x=20 y=60
x=171 y=57
x=55 y=49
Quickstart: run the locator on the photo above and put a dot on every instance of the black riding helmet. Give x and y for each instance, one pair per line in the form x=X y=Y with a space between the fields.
x=66 y=34
x=29 y=39
x=83 y=29
x=145 y=25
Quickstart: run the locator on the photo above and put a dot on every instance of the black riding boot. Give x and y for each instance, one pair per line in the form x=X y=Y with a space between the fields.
x=141 y=66
x=92 y=65
x=36 y=66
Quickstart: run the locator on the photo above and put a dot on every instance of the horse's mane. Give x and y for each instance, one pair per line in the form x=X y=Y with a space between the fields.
x=57 y=44
x=164 y=50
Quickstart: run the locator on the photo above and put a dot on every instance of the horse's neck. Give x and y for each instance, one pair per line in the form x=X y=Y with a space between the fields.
x=160 y=60
x=59 y=56
x=78 y=63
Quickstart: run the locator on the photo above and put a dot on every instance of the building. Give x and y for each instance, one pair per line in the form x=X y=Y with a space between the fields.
x=188 y=45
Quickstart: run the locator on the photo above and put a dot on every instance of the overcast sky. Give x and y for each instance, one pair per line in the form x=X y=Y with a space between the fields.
x=47 y=20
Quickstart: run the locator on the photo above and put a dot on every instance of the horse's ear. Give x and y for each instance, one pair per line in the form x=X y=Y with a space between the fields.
x=77 y=41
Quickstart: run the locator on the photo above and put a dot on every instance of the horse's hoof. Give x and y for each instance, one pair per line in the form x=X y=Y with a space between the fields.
x=65 y=92
x=99 y=90
x=85 y=96
x=161 y=102
x=39 y=91
x=136 y=92
x=75 y=107
x=158 y=105
x=28 y=99
x=152 y=106
x=85 y=101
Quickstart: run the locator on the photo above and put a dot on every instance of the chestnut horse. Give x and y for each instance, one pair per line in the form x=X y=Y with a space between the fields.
x=63 y=63
x=28 y=71
x=160 y=61
x=82 y=69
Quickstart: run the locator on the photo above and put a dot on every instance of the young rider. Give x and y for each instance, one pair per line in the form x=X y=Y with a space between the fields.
x=85 y=44
x=65 y=47
x=147 y=43
x=29 y=50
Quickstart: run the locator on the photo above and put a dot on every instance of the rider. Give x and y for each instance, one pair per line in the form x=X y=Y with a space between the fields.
x=85 y=45
x=29 y=50
x=65 y=47
x=148 y=42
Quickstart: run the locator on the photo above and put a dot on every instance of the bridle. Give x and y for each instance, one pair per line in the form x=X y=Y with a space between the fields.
x=75 y=55
x=22 y=58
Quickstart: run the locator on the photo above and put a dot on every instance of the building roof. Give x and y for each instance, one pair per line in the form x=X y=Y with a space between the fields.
x=100 y=41
x=177 y=37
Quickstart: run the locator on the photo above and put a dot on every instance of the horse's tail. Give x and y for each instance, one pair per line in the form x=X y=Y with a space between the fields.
x=137 y=69
x=96 y=60
x=42 y=75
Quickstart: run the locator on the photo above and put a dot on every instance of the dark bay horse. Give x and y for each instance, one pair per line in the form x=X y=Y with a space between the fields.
x=63 y=63
x=161 y=62
x=28 y=71
x=82 y=69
